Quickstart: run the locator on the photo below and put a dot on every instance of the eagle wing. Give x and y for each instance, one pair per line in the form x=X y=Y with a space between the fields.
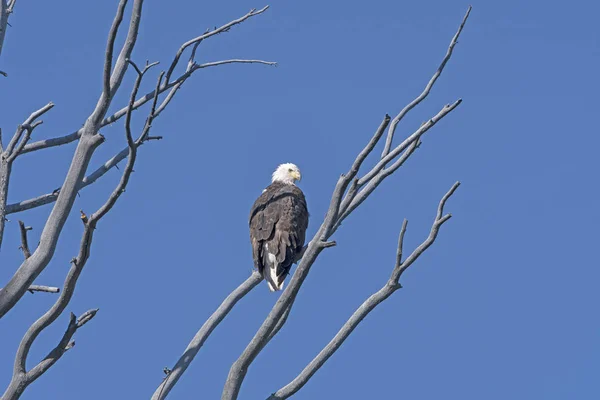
x=278 y=223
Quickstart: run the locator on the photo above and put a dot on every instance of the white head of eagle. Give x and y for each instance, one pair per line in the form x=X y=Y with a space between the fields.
x=278 y=222
x=287 y=173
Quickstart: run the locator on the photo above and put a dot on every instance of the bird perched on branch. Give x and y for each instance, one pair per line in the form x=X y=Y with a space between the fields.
x=278 y=222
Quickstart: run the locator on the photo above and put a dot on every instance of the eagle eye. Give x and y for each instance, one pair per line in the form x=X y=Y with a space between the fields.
x=290 y=170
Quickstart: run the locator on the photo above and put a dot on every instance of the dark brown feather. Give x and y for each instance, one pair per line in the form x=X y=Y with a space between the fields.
x=278 y=222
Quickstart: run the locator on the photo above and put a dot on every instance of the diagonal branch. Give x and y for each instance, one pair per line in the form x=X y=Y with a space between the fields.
x=198 y=341
x=373 y=301
x=423 y=95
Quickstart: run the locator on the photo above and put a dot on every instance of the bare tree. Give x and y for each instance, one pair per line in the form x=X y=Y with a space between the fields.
x=351 y=190
x=88 y=140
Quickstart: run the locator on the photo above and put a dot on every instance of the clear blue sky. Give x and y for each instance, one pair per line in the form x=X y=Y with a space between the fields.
x=505 y=304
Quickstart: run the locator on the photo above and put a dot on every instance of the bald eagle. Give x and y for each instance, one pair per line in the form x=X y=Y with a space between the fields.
x=278 y=222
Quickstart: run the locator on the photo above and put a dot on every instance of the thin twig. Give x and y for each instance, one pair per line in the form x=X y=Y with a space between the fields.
x=24 y=243
x=46 y=289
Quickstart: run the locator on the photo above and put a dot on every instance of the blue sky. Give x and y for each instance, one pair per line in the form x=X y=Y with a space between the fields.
x=504 y=305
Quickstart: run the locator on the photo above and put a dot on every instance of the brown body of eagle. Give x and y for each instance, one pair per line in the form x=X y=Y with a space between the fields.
x=278 y=222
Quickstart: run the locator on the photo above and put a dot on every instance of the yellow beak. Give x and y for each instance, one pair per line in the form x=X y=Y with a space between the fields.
x=296 y=175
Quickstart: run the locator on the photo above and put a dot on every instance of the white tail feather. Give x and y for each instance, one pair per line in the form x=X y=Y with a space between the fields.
x=272 y=281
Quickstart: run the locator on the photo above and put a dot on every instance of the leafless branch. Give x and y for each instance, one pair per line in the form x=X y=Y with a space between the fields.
x=373 y=301
x=110 y=46
x=232 y=61
x=330 y=224
x=198 y=341
x=423 y=95
x=89 y=141
x=40 y=288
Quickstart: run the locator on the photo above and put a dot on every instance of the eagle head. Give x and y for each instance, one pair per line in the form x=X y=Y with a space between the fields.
x=287 y=173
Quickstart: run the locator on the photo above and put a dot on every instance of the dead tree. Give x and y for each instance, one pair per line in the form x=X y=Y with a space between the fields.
x=351 y=190
x=88 y=139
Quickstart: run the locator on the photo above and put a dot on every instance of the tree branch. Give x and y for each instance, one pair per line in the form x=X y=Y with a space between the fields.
x=373 y=301
x=423 y=95
x=198 y=341
x=40 y=288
